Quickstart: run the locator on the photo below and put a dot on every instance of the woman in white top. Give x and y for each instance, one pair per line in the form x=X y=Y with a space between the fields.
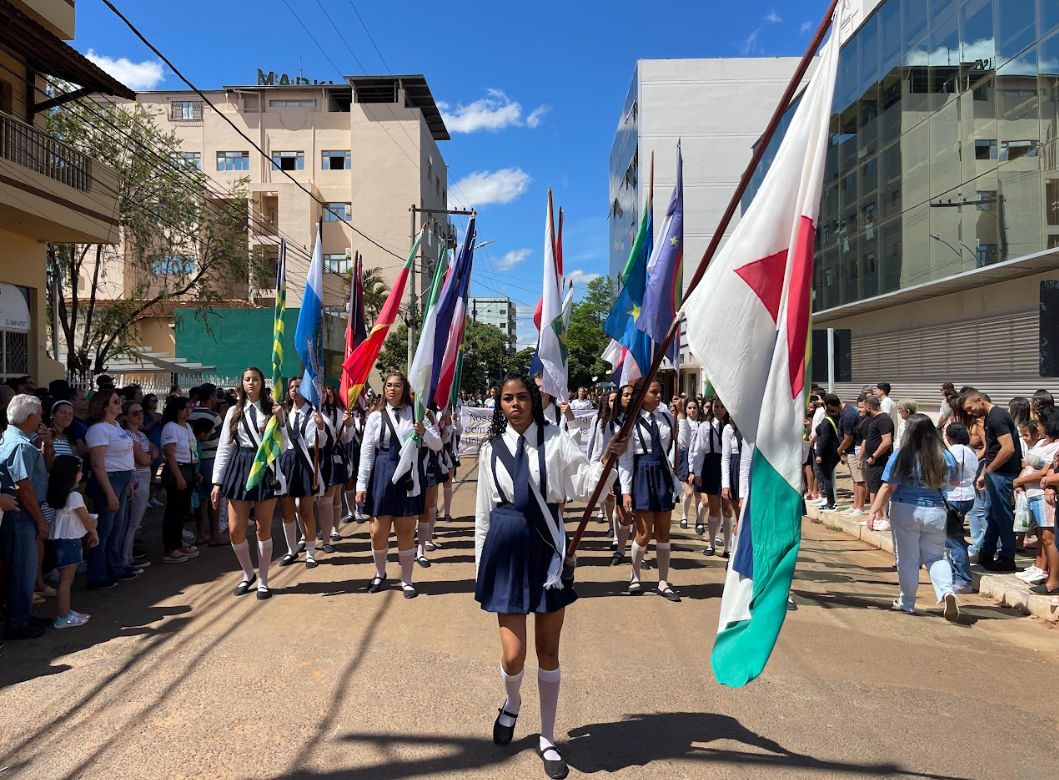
x=304 y=431
x=334 y=465
x=359 y=417
x=688 y=431
x=736 y=456
x=524 y=471
x=179 y=478
x=1033 y=479
x=391 y=504
x=241 y=434
x=647 y=486
x=605 y=426
x=62 y=417
x=706 y=457
x=960 y=498
x=113 y=465
x=144 y=454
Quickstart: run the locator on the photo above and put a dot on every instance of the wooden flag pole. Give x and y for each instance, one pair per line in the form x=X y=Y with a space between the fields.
x=711 y=250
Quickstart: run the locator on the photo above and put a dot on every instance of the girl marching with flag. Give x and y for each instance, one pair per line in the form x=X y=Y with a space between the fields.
x=334 y=466
x=449 y=430
x=647 y=484
x=524 y=471
x=304 y=427
x=388 y=504
x=706 y=455
x=357 y=419
x=605 y=427
x=241 y=437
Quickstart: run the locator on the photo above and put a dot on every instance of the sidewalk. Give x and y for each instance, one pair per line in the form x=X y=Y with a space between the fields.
x=1006 y=589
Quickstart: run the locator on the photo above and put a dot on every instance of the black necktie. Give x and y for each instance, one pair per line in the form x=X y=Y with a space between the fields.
x=521 y=477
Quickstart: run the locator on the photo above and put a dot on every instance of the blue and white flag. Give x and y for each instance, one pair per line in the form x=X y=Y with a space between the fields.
x=309 y=335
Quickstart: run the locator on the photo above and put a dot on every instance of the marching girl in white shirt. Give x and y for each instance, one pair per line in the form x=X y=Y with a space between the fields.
x=448 y=428
x=688 y=429
x=646 y=473
x=386 y=503
x=241 y=433
x=432 y=473
x=524 y=471
x=560 y=414
x=706 y=456
x=299 y=464
x=358 y=417
x=334 y=466
x=605 y=426
x=736 y=456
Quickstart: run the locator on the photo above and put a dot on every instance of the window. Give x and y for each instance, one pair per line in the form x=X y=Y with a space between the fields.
x=172 y=264
x=985 y=150
x=187 y=160
x=344 y=212
x=233 y=161
x=338 y=264
x=292 y=103
x=14 y=354
x=185 y=110
x=335 y=161
x=289 y=161
x=1013 y=150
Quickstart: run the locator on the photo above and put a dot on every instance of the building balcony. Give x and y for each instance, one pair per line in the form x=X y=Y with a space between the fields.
x=51 y=191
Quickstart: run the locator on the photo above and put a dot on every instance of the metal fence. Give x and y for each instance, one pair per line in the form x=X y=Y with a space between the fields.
x=32 y=148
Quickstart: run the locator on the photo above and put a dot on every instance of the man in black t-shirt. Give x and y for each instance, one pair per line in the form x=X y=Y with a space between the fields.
x=849 y=428
x=1003 y=462
x=878 y=444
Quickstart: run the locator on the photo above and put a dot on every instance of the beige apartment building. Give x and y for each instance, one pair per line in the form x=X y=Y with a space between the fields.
x=48 y=191
x=367 y=147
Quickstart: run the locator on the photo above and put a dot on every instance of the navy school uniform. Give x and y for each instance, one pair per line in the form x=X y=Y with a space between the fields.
x=337 y=448
x=235 y=457
x=296 y=462
x=379 y=456
x=598 y=440
x=687 y=431
x=705 y=455
x=519 y=545
x=646 y=468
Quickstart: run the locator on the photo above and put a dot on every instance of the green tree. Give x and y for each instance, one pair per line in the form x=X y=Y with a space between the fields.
x=394 y=353
x=486 y=358
x=586 y=338
x=181 y=242
x=375 y=292
x=521 y=360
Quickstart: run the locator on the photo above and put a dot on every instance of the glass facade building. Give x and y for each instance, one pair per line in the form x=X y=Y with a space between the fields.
x=622 y=217
x=944 y=153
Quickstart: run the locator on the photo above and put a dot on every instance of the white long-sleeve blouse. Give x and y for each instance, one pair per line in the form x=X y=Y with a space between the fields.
x=640 y=444
x=377 y=434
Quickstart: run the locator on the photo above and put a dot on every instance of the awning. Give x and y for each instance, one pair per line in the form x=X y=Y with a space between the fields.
x=45 y=53
x=1028 y=265
x=154 y=363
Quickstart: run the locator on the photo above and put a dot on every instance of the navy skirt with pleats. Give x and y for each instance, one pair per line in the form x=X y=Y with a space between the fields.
x=337 y=470
x=298 y=473
x=652 y=486
x=236 y=472
x=514 y=567
x=682 y=464
x=733 y=476
x=386 y=499
x=711 y=475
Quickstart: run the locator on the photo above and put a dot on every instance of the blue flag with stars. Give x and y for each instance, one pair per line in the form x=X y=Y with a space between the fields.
x=665 y=285
x=621 y=324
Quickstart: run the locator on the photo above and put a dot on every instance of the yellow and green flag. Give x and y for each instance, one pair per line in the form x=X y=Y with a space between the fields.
x=272 y=438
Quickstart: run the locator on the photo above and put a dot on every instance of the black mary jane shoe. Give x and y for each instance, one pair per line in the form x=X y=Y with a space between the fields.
x=700 y=529
x=244 y=586
x=554 y=768
x=668 y=594
x=311 y=563
x=683 y=522
x=635 y=589
x=423 y=561
x=376 y=584
x=502 y=735
x=263 y=593
x=288 y=559
x=616 y=558
x=329 y=548
x=646 y=565
x=409 y=592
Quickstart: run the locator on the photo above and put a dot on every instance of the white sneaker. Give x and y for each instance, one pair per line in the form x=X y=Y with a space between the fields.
x=882 y=525
x=1028 y=573
x=821 y=502
x=827 y=510
x=856 y=513
x=1035 y=579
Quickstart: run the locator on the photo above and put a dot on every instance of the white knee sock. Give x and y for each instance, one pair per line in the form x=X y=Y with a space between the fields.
x=380 y=561
x=421 y=534
x=662 y=551
x=622 y=537
x=327 y=518
x=407 y=559
x=684 y=503
x=264 y=558
x=290 y=535
x=432 y=513
x=351 y=501
x=700 y=510
x=637 y=559
x=447 y=498
x=242 y=552
x=310 y=549
x=713 y=523
x=548 y=687
x=513 y=685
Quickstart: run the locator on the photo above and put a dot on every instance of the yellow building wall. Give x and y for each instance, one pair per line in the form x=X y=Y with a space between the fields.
x=23 y=262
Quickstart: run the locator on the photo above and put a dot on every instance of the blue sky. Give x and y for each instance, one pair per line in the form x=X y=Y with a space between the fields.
x=532 y=91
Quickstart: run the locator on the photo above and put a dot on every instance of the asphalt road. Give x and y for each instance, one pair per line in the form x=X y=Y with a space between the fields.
x=176 y=678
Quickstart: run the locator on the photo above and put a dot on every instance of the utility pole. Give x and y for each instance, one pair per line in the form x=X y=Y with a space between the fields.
x=413 y=310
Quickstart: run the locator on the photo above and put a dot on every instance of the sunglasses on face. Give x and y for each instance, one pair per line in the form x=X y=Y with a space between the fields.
x=136 y=412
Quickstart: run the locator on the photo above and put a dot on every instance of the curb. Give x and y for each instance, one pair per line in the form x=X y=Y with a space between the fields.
x=1006 y=589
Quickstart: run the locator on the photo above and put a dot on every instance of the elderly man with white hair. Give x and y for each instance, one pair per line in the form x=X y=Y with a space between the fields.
x=24 y=477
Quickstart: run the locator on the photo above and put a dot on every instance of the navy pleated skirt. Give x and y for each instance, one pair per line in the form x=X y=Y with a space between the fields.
x=298 y=473
x=733 y=476
x=711 y=475
x=336 y=470
x=652 y=487
x=514 y=567
x=386 y=499
x=432 y=470
x=682 y=464
x=236 y=472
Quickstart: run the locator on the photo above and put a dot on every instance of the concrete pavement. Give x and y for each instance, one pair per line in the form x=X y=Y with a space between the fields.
x=176 y=678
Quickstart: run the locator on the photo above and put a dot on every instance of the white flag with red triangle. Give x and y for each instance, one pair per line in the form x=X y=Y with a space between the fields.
x=748 y=323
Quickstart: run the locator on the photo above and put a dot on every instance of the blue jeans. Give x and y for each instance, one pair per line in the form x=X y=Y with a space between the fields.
x=104 y=560
x=999 y=517
x=18 y=541
x=956 y=548
x=976 y=520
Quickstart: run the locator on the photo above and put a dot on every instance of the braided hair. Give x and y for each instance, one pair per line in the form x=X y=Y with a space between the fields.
x=499 y=424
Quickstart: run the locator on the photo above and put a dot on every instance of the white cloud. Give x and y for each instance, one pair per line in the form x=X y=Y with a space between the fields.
x=525 y=330
x=537 y=115
x=484 y=187
x=580 y=277
x=806 y=27
x=749 y=46
x=773 y=18
x=137 y=76
x=494 y=112
x=511 y=259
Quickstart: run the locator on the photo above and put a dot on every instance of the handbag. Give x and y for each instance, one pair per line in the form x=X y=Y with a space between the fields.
x=953 y=519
